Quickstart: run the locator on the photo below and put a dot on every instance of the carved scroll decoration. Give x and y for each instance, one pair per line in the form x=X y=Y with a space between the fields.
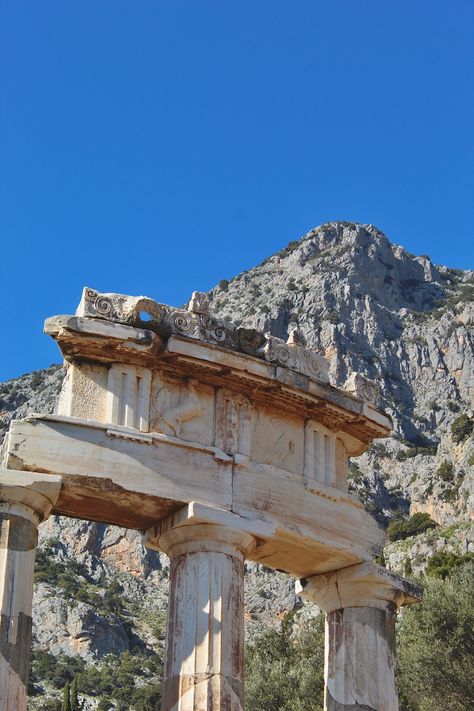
x=363 y=388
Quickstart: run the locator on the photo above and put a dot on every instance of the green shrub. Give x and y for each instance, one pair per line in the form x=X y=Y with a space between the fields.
x=435 y=646
x=75 y=705
x=37 y=379
x=284 y=671
x=408 y=570
x=56 y=671
x=104 y=705
x=443 y=564
x=131 y=680
x=290 y=247
x=446 y=471
x=71 y=578
x=355 y=473
x=400 y=529
x=450 y=494
x=224 y=284
x=452 y=405
x=379 y=449
x=461 y=428
x=414 y=451
x=66 y=705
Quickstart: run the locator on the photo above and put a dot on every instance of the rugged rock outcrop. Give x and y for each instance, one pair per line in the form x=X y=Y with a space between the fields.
x=370 y=306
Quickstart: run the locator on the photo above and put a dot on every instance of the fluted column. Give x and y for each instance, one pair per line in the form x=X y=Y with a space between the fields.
x=25 y=500
x=360 y=603
x=204 y=661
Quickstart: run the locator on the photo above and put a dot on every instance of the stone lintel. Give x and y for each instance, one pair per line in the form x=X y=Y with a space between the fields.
x=361 y=585
x=130 y=483
x=35 y=491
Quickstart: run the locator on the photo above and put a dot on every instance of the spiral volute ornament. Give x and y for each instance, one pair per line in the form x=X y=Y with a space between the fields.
x=182 y=322
x=103 y=306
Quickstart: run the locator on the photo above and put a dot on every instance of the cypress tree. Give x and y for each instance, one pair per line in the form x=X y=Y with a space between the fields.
x=66 y=705
x=75 y=706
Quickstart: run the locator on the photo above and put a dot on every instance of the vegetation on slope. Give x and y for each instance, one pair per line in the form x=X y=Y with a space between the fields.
x=436 y=646
x=284 y=667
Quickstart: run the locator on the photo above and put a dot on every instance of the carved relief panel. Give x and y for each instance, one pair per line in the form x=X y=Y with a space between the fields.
x=182 y=408
x=278 y=440
x=128 y=397
x=319 y=455
x=234 y=415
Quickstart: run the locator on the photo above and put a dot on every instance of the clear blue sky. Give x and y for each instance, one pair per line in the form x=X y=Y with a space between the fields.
x=157 y=147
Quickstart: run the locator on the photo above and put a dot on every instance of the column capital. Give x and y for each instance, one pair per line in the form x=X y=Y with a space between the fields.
x=361 y=585
x=195 y=529
x=28 y=494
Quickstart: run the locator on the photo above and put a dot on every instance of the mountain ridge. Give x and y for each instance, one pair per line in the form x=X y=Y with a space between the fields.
x=368 y=306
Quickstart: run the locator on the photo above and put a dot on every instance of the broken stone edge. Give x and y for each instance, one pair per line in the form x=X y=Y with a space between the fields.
x=196 y=323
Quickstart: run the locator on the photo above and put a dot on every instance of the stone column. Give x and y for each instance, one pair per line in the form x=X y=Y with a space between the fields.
x=360 y=603
x=25 y=500
x=204 y=664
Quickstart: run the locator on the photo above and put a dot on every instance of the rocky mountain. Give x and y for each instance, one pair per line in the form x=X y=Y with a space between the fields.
x=368 y=306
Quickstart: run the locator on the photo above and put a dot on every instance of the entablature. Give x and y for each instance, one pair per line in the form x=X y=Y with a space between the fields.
x=268 y=371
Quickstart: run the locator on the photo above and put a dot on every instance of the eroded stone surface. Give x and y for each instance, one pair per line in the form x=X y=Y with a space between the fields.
x=360 y=604
x=204 y=663
x=24 y=502
x=196 y=323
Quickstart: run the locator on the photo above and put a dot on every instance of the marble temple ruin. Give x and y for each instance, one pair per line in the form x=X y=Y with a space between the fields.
x=221 y=444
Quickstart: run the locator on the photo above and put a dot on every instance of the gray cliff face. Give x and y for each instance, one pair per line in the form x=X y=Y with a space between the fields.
x=368 y=306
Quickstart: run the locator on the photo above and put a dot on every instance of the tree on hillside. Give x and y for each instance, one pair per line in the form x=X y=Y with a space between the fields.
x=66 y=705
x=436 y=646
x=75 y=705
x=285 y=671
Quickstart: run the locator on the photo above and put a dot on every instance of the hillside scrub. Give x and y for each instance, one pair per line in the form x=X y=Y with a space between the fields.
x=435 y=643
x=399 y=529
x=286 y=671
x=461 y=428
x=436 y=646
x=443 y=564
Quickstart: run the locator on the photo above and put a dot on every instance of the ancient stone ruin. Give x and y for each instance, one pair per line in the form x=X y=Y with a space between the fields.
x=221 y=444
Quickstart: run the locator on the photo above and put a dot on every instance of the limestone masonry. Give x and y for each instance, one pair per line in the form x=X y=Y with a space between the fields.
x=221 y=444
